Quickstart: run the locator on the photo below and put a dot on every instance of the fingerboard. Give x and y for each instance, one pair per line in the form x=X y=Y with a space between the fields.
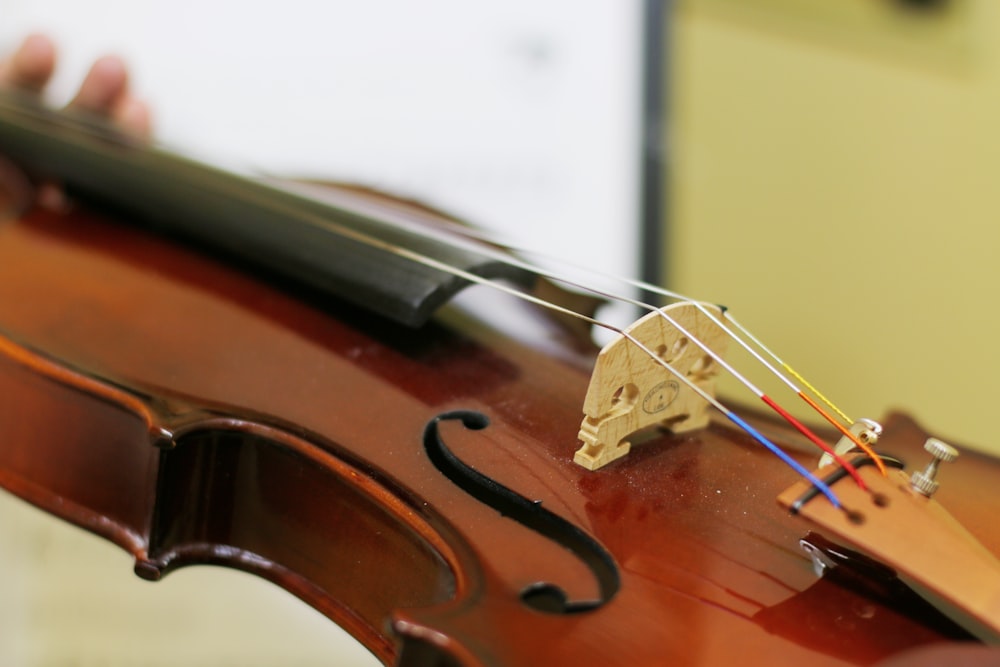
x=343 y=250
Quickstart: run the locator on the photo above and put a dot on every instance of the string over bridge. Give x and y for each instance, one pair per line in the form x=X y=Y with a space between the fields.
x=631 y=389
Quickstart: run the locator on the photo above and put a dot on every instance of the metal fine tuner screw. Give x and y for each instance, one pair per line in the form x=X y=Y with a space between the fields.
x=923 y=481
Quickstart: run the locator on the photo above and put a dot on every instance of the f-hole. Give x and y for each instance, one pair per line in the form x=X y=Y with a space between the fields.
x=543 y=596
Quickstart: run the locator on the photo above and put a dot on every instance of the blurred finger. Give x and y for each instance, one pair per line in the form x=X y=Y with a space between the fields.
x=134 y=116
x=105 y=91
x=104 y=86
x=31 y=66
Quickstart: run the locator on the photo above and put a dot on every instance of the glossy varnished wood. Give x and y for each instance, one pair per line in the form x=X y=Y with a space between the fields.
x=200 y=415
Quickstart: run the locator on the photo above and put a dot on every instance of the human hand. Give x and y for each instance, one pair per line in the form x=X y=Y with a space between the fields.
x=104 y=91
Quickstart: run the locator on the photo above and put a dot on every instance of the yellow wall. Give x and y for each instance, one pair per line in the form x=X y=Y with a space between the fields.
x=836 y=182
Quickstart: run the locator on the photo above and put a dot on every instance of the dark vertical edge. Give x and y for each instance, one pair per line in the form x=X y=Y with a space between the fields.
x=652 y=170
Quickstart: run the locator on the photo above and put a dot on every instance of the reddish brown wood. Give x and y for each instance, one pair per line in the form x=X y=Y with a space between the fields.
x=193 y=413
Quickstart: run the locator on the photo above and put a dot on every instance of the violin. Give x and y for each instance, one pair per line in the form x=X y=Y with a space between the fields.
x=336 y=393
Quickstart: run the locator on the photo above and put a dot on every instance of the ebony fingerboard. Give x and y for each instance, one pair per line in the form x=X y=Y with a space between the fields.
x=347 y=254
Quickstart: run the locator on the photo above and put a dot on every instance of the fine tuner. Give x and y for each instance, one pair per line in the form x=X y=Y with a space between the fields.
x=923 y=481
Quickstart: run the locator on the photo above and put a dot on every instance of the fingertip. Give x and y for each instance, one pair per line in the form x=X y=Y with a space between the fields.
x=110 y=68
x=135 y=116
x=104 y=84
x=32 y=64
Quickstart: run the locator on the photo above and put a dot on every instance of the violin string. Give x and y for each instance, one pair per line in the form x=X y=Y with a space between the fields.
x=325 y=223
x=471 y=277
x=865 y=447
x=861 y=444
x=798 y=425
x=790 y=370
x=729 y=414
x=767 y=400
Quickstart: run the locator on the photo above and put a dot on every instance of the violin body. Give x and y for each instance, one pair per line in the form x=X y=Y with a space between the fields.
x=417 y=486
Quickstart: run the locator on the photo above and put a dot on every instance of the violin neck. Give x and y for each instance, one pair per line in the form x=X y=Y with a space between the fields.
x=348 y=250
